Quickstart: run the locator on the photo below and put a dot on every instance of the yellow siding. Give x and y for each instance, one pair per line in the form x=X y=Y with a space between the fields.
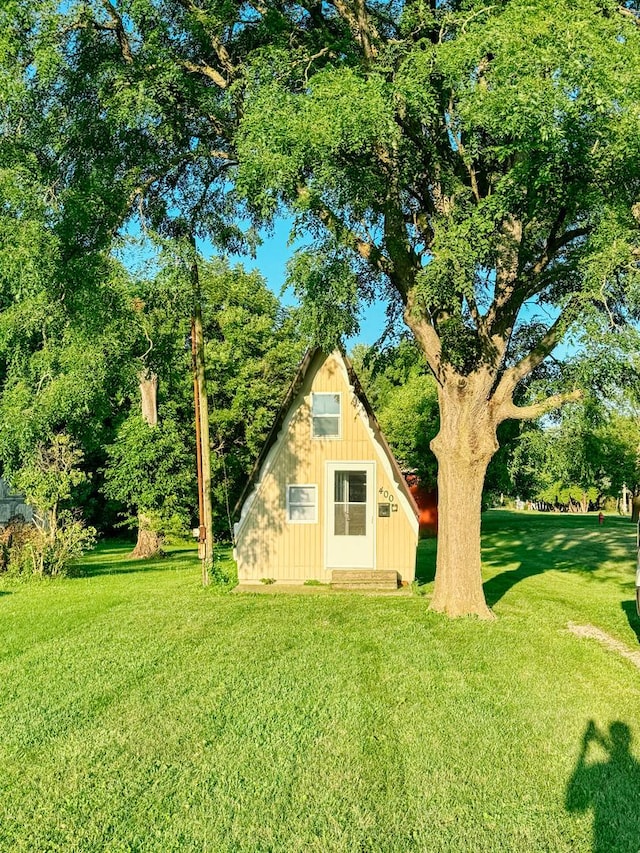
x=270 y=547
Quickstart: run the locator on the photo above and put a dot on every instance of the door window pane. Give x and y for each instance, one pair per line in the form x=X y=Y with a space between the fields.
x=351 y=486
x=357 y=520
x=358 y=487
x=341 y=486
x=350 y=503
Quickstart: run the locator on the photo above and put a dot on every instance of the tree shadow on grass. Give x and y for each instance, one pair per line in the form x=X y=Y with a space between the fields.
x=4 y=592
x=608 y=786
x=537 y=544
x=631 y=613
x=426 y=560
x=499 y=585
x=122 y=564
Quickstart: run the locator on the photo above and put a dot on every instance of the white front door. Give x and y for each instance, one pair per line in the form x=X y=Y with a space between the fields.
x=349 y=514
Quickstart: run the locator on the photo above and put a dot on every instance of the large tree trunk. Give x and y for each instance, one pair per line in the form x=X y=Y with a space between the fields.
x=465 y=444
x=471 y=408
x=635 y=508
x=149 y=540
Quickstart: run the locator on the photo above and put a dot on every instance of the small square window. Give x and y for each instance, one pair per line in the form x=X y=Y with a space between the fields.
x=325 y=415
x=302 y=504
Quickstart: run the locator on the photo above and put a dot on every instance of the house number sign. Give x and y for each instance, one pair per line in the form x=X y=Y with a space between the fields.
x=385 y=510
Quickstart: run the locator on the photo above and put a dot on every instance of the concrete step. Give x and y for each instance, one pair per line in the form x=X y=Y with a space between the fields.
x=364 y=579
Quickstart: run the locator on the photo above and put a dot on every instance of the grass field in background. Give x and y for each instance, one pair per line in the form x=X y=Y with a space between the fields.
x=140 y=712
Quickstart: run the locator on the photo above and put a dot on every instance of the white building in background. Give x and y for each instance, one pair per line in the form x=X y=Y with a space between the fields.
x=12 y=505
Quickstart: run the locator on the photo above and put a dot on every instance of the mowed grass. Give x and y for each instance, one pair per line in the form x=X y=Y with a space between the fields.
x=139 y=712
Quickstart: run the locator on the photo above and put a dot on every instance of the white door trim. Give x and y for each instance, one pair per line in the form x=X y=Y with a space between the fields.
x=369 y=554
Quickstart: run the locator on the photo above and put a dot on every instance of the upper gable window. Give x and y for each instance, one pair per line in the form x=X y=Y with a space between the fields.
x=325 y=415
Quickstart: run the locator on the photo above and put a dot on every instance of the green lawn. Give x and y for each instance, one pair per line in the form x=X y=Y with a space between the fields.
x=139 y=712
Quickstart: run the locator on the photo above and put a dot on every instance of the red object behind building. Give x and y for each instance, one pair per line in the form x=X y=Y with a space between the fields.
x=427 y=501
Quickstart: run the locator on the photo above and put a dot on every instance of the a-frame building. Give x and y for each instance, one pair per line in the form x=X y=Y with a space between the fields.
x=326 y=494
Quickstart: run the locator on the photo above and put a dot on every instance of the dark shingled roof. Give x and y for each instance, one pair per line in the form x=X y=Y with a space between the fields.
x=291 y=395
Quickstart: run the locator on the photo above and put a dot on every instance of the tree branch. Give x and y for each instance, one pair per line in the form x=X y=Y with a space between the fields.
x=554 y=244
x=207 y=70
x=311 y=59
x=509 y=411
x=509 y=297
x=118 y=27
x=359 y=21
x=509 y=292
x=401 y=255
x=463 y=153
x=426 y=335
x=367 y=251
x=261 y=8
x=474 y=311
x=223 y=155
x=477 y=14
x=220 y=50
x=511 y=377
x=629 y=13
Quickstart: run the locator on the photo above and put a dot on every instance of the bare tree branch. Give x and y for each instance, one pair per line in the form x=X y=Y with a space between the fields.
x=403 y=259
x=629 y=13
x=554 y=244
x=426 y=335
x=463 y=153
x=207 y=70
x=118 y=27
x=223 y=155
x=311 y=59
x=509 y=410
x=511 y=295
x=474 y=311
x=510 y=292
x=261 y=8
x=477 y=14
x=511 y=377
x=358 y=18
x=139 y=191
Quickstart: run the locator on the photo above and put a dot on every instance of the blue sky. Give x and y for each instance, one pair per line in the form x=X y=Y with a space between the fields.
x=271 y=259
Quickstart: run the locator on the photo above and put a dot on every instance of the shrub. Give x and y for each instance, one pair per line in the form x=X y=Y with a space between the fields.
x=58 y=535
x=32 y=550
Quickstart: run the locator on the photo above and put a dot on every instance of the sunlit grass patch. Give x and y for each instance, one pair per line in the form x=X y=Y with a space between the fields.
x=139 y=711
